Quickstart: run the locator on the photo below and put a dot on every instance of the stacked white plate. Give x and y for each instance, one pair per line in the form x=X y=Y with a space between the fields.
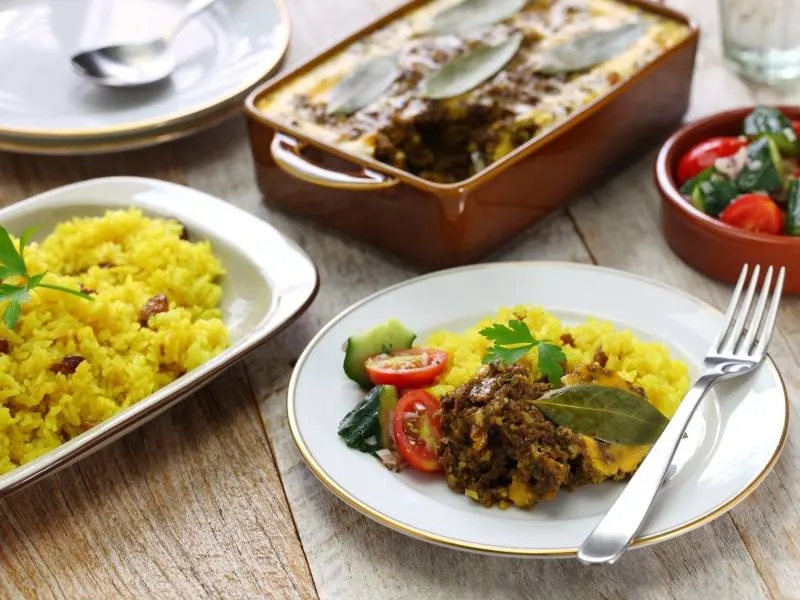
x=47 y=108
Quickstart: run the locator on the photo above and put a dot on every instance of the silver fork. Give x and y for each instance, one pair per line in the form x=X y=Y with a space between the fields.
x=740 y=347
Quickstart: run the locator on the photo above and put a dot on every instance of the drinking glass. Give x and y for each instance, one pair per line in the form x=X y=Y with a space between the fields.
x=762 y=38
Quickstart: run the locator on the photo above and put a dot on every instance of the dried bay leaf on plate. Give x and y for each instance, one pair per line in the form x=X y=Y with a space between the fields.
x=607 y=414
x=364 y=85
x=471 y=69
x=473 y=14
x=589 y=49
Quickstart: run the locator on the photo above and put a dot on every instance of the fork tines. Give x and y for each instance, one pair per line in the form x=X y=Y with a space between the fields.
x=746 y=333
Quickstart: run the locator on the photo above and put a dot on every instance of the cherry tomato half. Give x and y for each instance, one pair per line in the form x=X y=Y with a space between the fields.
x=417 y=430
x=754 y=212
x=702 y=155
x=416 y=367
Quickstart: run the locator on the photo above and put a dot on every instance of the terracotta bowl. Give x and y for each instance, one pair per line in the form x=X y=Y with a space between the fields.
x=705 y=243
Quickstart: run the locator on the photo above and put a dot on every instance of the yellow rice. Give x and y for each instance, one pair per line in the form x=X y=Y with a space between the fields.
x=664 y=379
x=124 y=362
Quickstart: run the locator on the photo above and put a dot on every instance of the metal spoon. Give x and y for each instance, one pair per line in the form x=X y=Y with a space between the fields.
x=135 y=64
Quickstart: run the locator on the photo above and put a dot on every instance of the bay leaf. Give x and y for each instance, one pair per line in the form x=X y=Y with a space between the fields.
x=471 y=69
x=364 y=85
x=590 y=49
x=473 y=14
x=608 y=414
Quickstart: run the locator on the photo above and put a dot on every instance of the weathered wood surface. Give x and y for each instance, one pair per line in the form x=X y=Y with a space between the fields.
x=201 y=503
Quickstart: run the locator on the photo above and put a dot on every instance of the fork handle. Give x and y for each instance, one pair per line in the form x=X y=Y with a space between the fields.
x=621 y=523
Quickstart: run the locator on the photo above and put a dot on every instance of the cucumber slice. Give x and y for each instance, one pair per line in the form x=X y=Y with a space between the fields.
x=763 y=171
x=770 y=122
x=366 y=427
x=387 y=402
x=386 y=337
x=688 y=187
x=713 y=196
x=793 y=210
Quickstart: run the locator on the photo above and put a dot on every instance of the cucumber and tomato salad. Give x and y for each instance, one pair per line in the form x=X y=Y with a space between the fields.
x=749 y=181
x=396 y=414
x=383 y=355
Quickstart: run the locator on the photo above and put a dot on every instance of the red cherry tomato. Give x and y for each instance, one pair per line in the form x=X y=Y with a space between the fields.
x=417 y=430
x=796 y=125
x=754 y=212
x=416 y=367
x=702 y=155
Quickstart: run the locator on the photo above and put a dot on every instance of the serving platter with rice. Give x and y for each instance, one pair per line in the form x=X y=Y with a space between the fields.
x=172 y=287
x=68 y=365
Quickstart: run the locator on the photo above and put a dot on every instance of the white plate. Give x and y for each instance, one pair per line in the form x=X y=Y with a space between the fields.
x=222 y=53
x=269 y=281
x=733 y=441
x=118 y=143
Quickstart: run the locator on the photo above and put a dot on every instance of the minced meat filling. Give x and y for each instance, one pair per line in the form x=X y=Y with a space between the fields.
x=498 y=448
x=438 y=147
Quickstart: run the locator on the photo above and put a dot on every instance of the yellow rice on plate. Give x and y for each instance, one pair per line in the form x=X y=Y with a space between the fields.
x=664 y=379
x=126 y=258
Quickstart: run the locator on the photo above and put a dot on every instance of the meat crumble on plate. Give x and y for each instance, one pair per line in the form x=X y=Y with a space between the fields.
x=514 y=409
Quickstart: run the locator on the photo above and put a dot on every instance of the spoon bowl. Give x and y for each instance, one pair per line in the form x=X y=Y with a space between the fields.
x=130 y=65
x=126 y=65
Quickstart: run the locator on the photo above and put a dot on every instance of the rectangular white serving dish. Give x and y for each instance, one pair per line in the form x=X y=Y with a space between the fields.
x=269 y=282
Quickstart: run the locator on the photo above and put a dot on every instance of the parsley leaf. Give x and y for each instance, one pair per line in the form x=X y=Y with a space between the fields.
x=12 y=264
x=512 y=343
x=15 y=299
x=498 y=354
x=516 y=332
x=36 y=280
x=551 y=359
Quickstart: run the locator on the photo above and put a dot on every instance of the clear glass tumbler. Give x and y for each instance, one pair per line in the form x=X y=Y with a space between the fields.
x=762 y=38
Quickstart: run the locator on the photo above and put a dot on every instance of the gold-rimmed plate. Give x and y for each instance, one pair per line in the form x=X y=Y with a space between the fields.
x=732 y=442
x=47 y=108
x=104 y=145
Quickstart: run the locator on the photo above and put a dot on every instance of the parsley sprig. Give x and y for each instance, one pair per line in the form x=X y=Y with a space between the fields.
x=12 y=264
x=512 y=343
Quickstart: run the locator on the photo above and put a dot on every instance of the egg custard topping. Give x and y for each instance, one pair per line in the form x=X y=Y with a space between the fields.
x=455 y=85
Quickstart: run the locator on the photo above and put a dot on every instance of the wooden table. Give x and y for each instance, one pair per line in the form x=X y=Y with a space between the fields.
x=212 y=500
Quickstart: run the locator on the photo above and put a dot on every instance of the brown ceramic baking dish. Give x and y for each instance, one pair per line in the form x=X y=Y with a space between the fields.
x=442 y=225
x=706 y=243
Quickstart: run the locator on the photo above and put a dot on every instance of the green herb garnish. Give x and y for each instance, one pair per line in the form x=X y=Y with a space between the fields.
x=364 y=85
x=12 y=264
x=512 y=343
x=589 y=49
x=470 y=70
x=604 y=413
x=469 y=15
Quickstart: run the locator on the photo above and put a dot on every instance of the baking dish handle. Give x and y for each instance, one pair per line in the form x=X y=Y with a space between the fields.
x=287 y=154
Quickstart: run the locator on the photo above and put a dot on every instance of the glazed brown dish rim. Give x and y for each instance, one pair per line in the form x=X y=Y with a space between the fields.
x=666 y=163
x=497 y=167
